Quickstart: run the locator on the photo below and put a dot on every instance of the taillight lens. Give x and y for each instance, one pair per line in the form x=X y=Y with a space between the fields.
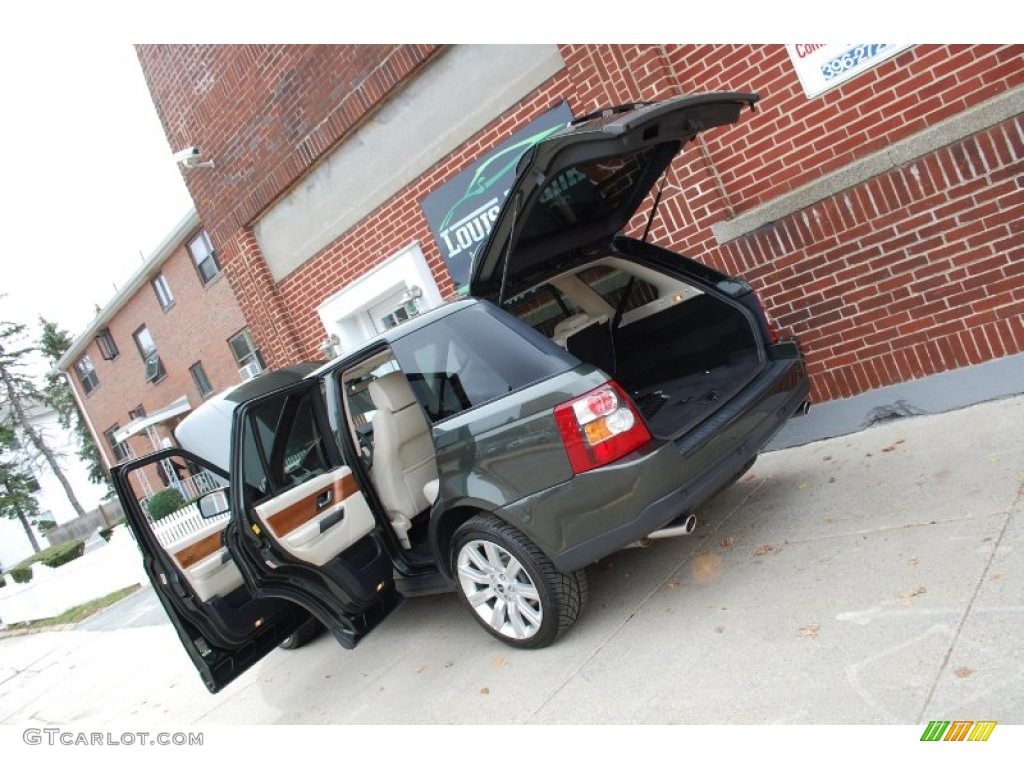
x=773 y=335
x=600 y=427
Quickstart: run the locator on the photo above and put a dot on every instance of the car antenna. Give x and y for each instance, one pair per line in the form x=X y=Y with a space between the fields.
x=508 y=252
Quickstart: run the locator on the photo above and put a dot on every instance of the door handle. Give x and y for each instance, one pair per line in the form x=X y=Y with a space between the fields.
x=324 y=499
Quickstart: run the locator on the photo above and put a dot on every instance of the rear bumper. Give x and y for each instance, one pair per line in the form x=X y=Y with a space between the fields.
x=601 y=511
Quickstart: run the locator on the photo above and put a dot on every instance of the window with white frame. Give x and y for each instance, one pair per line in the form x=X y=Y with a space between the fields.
x=163 y=291
x=204 y=257
x=244 y=348
x=86 y=374
x=147 y=348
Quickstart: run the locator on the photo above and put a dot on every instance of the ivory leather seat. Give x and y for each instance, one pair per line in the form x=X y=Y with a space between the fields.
x=403 y=452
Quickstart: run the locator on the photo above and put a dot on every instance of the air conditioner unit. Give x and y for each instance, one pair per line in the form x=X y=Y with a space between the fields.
x=250 y=370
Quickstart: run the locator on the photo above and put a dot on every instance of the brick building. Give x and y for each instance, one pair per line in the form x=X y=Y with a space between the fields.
x=879 y=218
x=171 y=337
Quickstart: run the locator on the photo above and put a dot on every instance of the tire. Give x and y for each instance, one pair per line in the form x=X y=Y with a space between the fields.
x=510 y=587
x=302 y=635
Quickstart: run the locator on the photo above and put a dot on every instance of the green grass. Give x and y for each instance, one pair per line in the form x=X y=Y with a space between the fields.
x=78 y=612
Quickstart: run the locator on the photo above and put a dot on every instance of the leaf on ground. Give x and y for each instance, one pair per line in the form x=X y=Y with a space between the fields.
x=420 y=668
x=673 y=584
x=499 y=661
x=993 y=459
x=720 y=628
x=749 y=478
x=914 y=592
x=764 y=549
x=802 y=487
x=996 y=577
x=890 y=448
x=808 y=630
x=449 y=664
x=727 y=543
x=826 y=458
x=912 y=561
x=963 y=672
x=607 y=565
x=485 y=690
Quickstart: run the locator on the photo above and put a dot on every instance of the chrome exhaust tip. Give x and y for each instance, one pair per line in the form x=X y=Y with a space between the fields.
x=682 y=527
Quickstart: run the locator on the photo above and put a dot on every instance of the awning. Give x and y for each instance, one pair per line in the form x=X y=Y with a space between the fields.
x=135 y=426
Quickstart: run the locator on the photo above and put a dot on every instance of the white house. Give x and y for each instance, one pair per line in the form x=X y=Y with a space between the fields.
x=53 y=503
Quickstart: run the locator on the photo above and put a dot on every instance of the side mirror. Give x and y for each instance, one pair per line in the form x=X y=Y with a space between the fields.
x=214 y=503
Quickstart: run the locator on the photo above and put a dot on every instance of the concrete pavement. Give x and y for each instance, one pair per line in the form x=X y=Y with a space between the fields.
x=873 y=578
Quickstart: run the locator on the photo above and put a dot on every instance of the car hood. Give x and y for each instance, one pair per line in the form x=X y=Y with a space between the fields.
x=579 y=187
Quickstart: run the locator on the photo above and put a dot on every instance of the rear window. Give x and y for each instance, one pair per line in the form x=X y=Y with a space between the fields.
x=582 y=194
x=474 y=356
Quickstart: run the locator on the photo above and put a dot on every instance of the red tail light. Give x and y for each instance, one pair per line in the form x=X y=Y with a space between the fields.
x=773 y=335
x=600 y=427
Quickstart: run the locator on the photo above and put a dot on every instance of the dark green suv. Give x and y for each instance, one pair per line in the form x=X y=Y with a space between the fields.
x=592 y=393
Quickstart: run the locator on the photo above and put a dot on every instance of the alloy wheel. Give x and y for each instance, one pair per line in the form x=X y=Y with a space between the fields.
x=499 y=589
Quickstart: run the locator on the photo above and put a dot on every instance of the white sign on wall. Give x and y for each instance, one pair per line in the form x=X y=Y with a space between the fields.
x=821 y=66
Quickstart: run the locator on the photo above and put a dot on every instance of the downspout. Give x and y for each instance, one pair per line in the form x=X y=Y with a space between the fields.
x=88 y=421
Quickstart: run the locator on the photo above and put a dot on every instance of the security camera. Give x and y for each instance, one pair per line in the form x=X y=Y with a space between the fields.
x=187 y=154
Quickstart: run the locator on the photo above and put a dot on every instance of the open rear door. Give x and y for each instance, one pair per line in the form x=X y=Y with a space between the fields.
x=305 y=531
x=223 y=625
x=243 y=561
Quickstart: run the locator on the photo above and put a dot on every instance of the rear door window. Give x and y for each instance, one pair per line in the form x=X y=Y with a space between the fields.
x=474 y=356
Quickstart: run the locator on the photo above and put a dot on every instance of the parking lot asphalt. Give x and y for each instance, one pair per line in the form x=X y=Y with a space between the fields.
x=874 y=578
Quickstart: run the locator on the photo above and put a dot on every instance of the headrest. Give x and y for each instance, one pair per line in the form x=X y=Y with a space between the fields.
x=391 y=392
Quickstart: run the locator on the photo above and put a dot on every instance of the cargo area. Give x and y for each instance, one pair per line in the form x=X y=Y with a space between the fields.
x=681 y=353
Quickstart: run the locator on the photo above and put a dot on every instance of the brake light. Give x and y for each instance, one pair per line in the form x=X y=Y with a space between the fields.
x=600 y=427
x=773 y=335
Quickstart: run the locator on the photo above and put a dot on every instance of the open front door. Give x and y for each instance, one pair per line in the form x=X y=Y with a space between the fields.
x=223 y=625
x=304 y=529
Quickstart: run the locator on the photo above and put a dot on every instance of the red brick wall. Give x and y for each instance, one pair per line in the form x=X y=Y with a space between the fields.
x=918 y=271
x=265 y=114
x=908 y=274
x=194 y=329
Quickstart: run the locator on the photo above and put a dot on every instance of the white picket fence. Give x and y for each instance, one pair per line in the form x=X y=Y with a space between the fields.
x=178 y=525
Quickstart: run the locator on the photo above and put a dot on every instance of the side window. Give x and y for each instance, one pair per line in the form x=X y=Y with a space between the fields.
x=473 y=356
x=283 y=446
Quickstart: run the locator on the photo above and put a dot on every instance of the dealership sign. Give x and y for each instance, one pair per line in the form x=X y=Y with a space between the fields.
x=821 y=66
x=462 y=211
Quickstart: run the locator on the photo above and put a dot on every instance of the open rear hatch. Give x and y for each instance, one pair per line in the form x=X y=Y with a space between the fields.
x=680 y=337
